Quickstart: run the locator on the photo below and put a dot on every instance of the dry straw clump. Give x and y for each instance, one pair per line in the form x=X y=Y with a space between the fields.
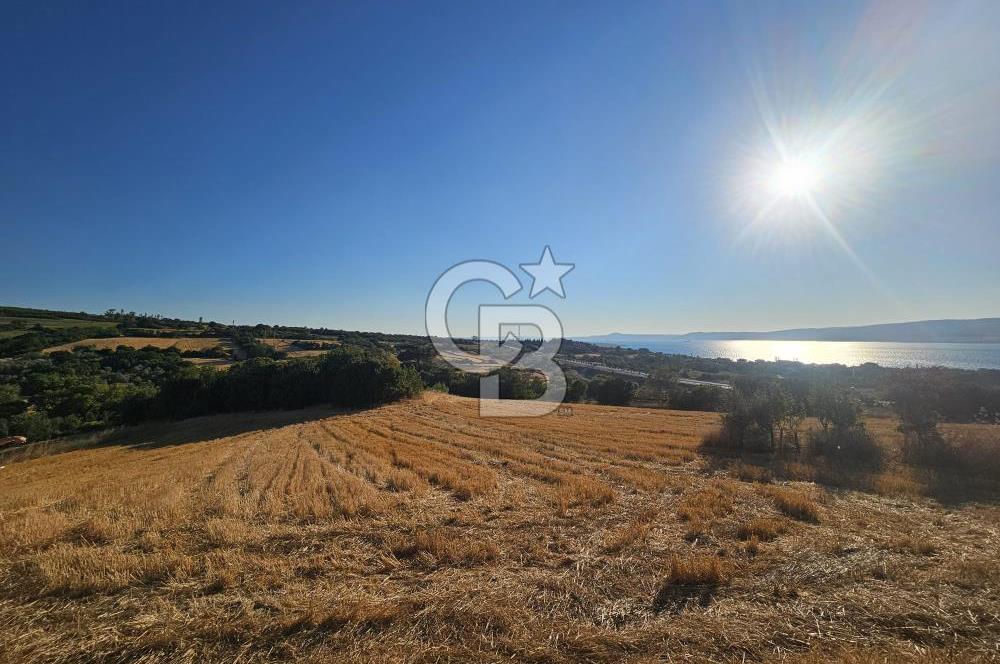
x=794 y=503
x=697 y=571
x=752 y=473
x=914 y=545
x=446 y=546
x=712 y=502
x=633 y=533
x=763 y=529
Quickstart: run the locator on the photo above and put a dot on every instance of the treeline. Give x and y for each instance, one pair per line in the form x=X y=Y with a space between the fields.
x=27 y=312
x=951 y=394
x=346 y=376
x=514 y=383
x=521 y=384
x=39 y=338
x=40 y=328
x=766 y=417
x=252 y=347
x=42 y=396
x=763 y=417
x=956 y=395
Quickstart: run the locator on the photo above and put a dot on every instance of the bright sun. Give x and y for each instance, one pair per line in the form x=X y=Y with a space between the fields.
x=793 y=178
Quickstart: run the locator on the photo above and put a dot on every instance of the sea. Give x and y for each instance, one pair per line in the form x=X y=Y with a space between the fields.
x=849 y=353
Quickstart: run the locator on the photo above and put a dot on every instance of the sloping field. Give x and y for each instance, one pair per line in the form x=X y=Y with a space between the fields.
x=289 y=346
x=418 y=532
x=56 y=323
x=182 y=343
x=50 y=323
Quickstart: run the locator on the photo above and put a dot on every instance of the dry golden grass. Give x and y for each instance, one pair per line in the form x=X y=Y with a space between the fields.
x=420 y=532
x=752 y=473
x=704 y=507
x=444 y=546
x=181 y=343
x=793 y=503
x=761 y=529
x=290 y=347
x=914 y=545
x=696 y=571
x=751 y=547
x=631 y=534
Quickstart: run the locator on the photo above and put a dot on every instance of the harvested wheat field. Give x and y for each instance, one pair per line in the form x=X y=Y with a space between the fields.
x=292 y=347
x=181 y=343
x=418 y=532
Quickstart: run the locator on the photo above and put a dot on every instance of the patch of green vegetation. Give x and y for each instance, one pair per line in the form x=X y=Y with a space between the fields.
x=42 y=396
x=27 y=330
x=51 y=323
x=39 y=338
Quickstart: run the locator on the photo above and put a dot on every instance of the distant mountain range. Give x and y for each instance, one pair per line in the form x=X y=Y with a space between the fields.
x=979 y=330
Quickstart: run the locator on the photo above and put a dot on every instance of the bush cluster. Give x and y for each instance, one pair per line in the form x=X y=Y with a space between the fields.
x=38 y=337
x=763 y=416
x=346 y=376
x=514 y=383
x=42 y=396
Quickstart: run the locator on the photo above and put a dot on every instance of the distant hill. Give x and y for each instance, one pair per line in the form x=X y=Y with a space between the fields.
x=979 y=330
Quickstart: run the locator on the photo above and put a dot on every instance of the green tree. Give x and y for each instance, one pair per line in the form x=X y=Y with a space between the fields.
x=914 y=400
x=611 y=391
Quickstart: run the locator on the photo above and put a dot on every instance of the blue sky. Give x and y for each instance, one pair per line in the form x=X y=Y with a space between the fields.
x=323 y=163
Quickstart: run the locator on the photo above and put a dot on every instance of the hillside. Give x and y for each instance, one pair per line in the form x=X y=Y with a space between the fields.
x=418 y=532
x=180 y=343
x=979 y=330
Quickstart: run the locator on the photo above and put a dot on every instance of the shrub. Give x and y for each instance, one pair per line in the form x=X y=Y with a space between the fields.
x=914 y=401
x=213 y=352
x=576 y=390
x=701 y=398
x=34 y=426
x=611 y=391
x=976 y=450
x=762 y=417
x=358 y=377
x=716 y=441
x=514 y=383
x=40 y=338
x=846 y=446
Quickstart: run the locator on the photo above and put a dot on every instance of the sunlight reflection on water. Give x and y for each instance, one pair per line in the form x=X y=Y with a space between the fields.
x=850 y=353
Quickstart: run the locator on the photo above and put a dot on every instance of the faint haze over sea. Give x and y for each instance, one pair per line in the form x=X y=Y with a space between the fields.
x=850 y=353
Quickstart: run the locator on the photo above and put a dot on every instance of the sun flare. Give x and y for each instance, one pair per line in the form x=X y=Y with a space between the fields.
x=794 y=178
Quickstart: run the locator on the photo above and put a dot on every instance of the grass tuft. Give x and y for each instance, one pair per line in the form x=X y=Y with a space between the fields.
x=794 y=503
x=696 y=571
x=762 y=529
